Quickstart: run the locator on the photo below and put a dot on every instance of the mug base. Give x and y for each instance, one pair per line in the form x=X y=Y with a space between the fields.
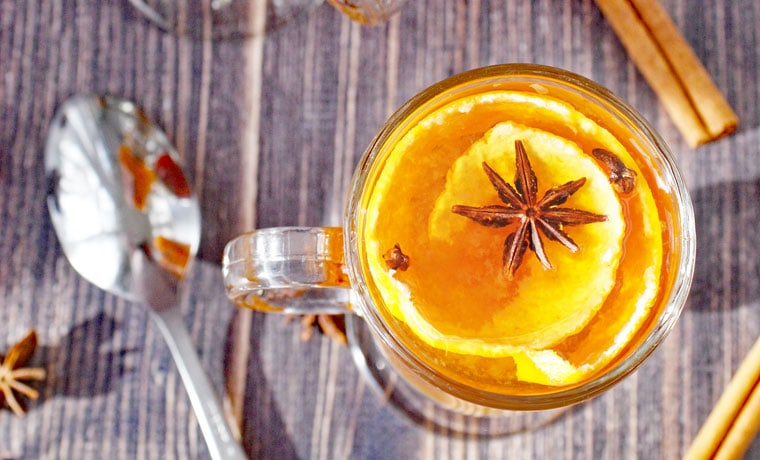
x=411 y=404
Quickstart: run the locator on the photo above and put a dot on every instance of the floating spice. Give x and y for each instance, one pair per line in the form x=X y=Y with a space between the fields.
x=395 y=259
x=531 y=214
x=622 y=177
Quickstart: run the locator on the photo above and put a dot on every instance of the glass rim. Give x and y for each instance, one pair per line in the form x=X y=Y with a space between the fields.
x=685 y=247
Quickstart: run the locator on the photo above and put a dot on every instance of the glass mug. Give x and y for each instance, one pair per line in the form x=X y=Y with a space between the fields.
x=236 y=19
x=516 y=240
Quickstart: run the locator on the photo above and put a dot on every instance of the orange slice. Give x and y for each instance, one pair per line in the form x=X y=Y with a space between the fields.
x=539 y=307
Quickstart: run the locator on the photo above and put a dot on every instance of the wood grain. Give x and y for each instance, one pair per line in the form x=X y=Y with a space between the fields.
x=271 y=129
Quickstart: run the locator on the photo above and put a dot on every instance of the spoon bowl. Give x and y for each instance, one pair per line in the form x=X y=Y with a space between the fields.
x=128 y=222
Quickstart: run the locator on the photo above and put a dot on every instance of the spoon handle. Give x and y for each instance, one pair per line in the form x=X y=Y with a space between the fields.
x=220 y=440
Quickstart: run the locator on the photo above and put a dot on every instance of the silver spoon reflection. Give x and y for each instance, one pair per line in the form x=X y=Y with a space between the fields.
x=129 y=223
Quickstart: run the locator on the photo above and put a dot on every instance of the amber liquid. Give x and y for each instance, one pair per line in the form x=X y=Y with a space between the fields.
x=403 y=212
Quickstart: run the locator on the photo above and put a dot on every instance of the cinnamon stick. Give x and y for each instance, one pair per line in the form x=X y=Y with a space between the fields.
x=733 y=423
x=674 y=72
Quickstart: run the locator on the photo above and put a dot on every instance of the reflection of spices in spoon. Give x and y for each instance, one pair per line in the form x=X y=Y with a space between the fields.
x=11 y=373
x=137 y=178
x=170 y=174
x=171 y=255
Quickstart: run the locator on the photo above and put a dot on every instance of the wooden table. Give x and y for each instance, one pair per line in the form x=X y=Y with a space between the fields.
x=271 y=129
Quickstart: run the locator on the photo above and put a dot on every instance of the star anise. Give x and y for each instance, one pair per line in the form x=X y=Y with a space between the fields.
x=11 y=374
x=530 y=213
x=333 y=326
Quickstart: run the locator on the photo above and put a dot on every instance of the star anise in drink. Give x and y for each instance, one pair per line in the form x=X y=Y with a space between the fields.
x=533 y=216
x=12 y=373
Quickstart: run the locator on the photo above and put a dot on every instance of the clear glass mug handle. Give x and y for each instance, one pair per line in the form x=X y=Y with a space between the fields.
x=295 y=270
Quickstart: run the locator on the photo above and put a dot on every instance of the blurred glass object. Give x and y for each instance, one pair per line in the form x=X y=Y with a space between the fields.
x=238 y=19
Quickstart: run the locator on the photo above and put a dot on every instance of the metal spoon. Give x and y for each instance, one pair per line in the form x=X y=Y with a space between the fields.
x=128 y=222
